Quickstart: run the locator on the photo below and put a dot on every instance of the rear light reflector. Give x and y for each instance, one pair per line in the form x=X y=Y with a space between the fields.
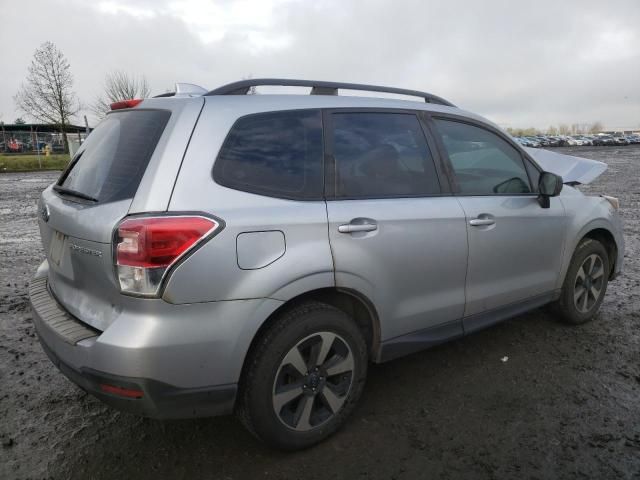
x=147 y=247
x=125 y=104
x=120 y=391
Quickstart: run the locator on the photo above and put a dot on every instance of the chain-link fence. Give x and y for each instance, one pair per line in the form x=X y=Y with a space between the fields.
x=38 y=138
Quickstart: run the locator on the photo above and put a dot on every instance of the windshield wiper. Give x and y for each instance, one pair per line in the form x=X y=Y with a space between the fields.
x=74 y=193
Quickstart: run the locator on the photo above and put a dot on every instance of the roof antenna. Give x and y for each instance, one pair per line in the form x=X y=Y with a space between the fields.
x=189 y=90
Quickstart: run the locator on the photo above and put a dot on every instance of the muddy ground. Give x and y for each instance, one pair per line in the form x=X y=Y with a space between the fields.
x=566 y=404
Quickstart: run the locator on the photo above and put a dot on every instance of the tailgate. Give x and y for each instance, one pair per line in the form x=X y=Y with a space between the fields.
x=118 y=163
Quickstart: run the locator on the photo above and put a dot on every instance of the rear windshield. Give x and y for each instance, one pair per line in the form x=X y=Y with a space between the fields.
x=112 y=160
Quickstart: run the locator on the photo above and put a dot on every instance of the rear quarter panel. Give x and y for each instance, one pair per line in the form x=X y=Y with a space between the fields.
x=155 y=189
x=213 y=272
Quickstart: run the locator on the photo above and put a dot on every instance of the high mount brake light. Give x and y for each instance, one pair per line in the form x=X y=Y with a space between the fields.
x=125 y=104
x=147 y=247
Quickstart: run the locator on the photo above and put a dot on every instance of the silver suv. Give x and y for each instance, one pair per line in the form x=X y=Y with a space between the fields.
x=211 y=252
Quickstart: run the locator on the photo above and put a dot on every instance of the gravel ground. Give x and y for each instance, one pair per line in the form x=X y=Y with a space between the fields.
x=564 y=405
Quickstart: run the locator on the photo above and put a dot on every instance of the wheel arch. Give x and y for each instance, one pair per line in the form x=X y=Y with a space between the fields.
x=606 y=238
x=352 y=302
x=601 y=231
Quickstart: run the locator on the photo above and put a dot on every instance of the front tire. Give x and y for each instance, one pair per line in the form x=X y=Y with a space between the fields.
x=304 y=377
x=585 y=284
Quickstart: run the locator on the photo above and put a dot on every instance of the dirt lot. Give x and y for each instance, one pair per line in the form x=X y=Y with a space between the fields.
x=566 y=404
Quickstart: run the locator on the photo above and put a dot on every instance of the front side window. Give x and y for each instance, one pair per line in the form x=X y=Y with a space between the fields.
x=380 y=155
x=483 y=163
x=276 y=154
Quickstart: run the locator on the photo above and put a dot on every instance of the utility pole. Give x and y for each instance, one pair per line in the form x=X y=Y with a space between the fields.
x=34 y=139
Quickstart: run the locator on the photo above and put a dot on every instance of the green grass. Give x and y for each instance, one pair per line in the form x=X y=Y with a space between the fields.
x=25 y=163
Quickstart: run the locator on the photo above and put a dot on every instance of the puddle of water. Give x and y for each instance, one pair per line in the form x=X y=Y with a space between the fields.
x=35 y=180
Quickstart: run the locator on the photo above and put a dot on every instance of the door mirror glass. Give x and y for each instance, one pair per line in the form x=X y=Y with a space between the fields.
x=550 y=184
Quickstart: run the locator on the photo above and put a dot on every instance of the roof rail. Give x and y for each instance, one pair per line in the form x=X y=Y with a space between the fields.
x=321 y=88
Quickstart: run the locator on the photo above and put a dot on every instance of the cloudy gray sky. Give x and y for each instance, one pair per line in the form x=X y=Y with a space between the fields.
x=520 y=63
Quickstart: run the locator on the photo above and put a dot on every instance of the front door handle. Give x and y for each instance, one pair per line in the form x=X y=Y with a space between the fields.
x=478 y=222
x=357 y=227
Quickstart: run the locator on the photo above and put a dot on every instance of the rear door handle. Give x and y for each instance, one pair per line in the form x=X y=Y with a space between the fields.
x=478 y=222
x=361 y=227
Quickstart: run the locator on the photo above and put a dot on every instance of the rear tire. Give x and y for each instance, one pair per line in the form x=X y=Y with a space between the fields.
x=304 y=377
x=585 y=284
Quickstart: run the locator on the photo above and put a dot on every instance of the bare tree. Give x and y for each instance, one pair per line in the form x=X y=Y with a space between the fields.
x=523 y=132
x=47 y=94
x=596 y=127
x=120 y=86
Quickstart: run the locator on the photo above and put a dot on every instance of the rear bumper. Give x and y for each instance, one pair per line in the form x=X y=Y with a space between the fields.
x=185 y=359
x=158 y=400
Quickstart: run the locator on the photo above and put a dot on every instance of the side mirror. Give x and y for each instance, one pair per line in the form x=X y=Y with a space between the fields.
x=549 y=185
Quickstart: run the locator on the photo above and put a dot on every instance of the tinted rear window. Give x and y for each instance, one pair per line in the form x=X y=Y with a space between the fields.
x=277 y=154
x=112 y=160
x=380 y=155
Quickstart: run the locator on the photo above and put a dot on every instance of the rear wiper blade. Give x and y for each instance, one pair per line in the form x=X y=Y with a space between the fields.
x=74 y=193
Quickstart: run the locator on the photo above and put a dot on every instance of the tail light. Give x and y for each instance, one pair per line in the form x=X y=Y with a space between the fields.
x=147 y=248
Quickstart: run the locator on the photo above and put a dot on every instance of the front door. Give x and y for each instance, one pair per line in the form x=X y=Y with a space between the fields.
x=515 y=245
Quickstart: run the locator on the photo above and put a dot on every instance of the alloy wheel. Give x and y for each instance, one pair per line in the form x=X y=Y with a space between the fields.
x=313 y=381
x=588 y=283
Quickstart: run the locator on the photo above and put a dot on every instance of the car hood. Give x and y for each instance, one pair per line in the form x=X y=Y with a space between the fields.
x=573 y=170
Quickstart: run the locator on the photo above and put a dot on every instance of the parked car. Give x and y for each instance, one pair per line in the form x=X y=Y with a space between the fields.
x=14 y=146
x=544 y=141
x=567 y=141
x=633 y=139
x=533 y=142
x=525 y=142
x=620 y=139
x=604 y=140
x=211 y=252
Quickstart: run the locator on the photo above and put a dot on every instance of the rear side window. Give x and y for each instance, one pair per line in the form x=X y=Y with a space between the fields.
x=277 y=154
x=483 y=163
x=381 y=155
x=113 y=159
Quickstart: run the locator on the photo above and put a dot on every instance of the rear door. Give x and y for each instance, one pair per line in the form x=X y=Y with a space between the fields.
x=395 y=233
x=515 y=245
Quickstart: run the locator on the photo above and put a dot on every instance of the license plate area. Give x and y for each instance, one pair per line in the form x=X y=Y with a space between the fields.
x=56 y=247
